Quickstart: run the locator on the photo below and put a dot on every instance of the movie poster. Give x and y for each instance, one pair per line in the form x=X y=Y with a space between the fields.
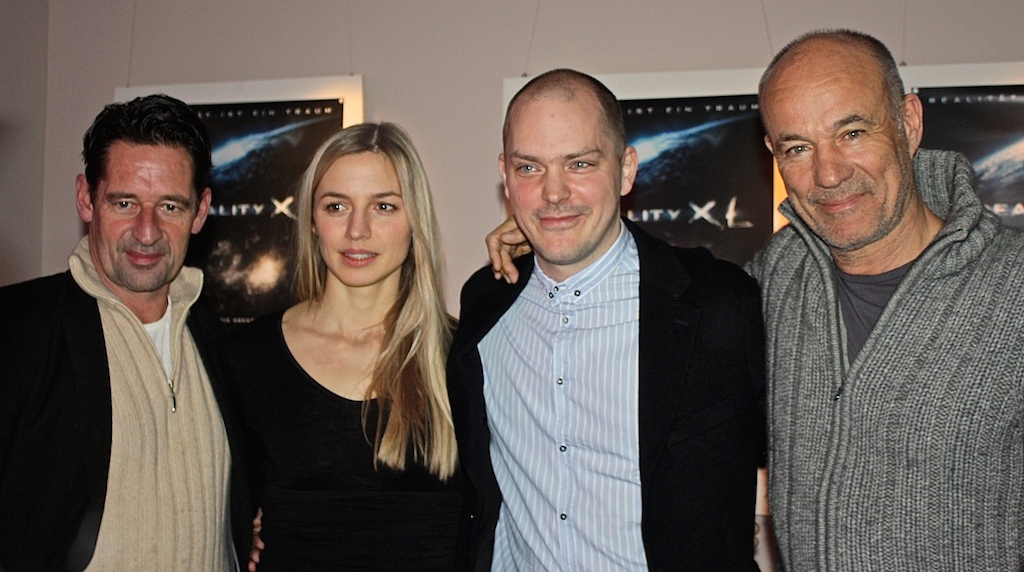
x=705 y=177
x=987 y=125
x=260 y=151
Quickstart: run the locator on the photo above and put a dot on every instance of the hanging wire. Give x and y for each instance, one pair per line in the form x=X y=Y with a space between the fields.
x=903 y=42
x=767 y=33
x=351 y=66
x=533 y=32
x=131 y=45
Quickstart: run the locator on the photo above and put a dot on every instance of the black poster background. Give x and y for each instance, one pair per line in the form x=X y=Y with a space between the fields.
x=260 y=151
x=705 y=177
x=987 y=125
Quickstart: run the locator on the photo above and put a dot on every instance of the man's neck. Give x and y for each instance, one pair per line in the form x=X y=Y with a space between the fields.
x=148 y=307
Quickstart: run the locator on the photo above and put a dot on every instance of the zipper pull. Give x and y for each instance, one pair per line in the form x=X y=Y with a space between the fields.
x=174 y=397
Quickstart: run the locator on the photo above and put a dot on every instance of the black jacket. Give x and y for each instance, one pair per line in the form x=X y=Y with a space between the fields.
x=701 y=390
x=56 y=423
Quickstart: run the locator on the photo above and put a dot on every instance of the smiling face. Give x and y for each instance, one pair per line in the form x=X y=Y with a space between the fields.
x=140 y=217
x=846 y=164
x=360 y=221
x=564 y=177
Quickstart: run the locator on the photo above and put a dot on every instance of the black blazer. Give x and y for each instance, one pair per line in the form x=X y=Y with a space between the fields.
x=701 y=403
x=56 y=424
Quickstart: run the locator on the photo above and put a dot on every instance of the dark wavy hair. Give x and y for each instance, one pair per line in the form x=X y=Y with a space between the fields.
x=149 y=120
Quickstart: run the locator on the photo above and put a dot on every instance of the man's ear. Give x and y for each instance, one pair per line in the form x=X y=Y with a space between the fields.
x=83 y=201
x=912 y=115
x=501 y=169
x=629 y=166
x=204 y=210
x=768 y=144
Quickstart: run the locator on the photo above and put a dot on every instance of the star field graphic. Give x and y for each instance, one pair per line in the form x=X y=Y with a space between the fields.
x=260 y=151
x=705 y=176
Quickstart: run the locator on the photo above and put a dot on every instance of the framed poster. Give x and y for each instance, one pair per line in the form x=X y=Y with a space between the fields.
x=263 y=135
x=987 y=125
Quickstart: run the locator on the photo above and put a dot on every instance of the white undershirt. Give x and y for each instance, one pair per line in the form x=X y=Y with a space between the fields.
x=160 y=332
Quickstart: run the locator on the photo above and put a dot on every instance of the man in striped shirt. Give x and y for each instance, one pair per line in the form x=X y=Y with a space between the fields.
x=608 y=408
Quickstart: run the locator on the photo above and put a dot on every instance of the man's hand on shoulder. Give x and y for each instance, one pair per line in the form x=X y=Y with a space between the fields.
x=503 y=244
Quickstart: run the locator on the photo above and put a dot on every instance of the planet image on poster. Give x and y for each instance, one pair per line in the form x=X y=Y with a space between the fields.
x=707 y=185
x=1001 y=183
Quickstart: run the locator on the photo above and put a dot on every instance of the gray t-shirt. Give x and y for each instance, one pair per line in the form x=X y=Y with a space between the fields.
x=862 y=299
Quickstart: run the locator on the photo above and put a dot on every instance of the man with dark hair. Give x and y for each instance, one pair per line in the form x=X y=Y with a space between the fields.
x=119 y=443
x=607 y=408
x=151 y=120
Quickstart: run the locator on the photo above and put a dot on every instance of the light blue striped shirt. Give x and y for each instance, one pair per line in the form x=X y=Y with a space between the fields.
x=560 y=385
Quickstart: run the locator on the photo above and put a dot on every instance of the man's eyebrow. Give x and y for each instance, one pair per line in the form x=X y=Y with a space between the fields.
x=836 y=126
x=120 y=196
x=524 y=157
x=568 y=156
x=586 y=151
x=114 y=196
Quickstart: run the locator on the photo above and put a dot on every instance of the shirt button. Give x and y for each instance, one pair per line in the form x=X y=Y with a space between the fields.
x=562 y=448
x=565 y=319
x=551 y=294
x=556 y=288
x=563 y=516
x=559 y=381
x=577 y=292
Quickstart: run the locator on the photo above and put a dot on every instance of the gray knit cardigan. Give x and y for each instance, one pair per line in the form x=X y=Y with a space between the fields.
x=912 y=456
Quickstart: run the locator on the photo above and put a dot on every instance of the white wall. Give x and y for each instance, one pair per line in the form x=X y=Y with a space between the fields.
x=22 y=117
x=436 y=67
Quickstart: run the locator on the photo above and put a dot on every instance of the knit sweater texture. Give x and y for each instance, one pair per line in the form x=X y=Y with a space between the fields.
x=166 y=501
x=912 y=456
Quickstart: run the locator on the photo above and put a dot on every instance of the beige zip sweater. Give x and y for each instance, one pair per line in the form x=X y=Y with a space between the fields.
x=166 y=502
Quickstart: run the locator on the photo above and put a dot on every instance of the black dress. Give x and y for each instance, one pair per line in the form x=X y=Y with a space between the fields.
x=325 y=505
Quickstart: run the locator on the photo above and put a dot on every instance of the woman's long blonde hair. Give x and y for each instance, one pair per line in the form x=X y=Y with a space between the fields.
x=408 y=377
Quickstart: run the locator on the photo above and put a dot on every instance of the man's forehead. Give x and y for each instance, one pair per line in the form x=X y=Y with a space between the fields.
x=128 y=163
x=541 y=114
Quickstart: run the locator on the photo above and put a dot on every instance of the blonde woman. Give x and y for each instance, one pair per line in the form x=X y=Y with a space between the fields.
x=345 y=391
